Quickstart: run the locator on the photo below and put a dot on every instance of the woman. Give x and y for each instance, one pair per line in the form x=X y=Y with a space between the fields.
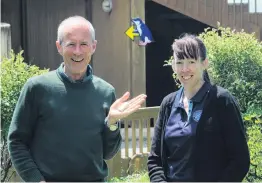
x=199 y=133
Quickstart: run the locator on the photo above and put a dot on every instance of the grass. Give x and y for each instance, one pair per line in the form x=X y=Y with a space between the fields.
x=139 y=177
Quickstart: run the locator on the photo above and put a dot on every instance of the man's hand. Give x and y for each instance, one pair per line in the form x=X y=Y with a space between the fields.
x=122 y=108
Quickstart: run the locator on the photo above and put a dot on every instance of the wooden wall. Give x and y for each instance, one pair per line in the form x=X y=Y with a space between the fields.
x=117 y=59
x=236 y=16
x=34 y=25
x=11 y=14
x=42 y=19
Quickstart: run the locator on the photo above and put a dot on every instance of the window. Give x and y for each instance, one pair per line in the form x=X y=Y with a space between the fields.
x=255 y=6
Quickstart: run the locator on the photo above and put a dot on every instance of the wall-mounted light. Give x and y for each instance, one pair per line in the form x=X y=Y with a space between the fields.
x=107 y=6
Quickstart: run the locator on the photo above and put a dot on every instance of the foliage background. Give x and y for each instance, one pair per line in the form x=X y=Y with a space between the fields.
x=14 y=73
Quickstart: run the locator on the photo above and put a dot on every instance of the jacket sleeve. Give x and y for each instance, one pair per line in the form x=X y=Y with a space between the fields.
x=155 y=169
x=235 y=141
x=20 y=135
x=111 y=139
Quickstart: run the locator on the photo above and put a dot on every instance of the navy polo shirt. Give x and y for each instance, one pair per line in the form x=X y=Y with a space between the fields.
x=180 y=134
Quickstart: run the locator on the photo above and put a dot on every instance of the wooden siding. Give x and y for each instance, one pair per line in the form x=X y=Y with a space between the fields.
x=42 y=18
x=117 y=59
x=11 y=14
x=236 y=15
x=34 y=26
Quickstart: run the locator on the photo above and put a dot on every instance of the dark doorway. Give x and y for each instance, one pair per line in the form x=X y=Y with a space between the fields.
x=165 y=25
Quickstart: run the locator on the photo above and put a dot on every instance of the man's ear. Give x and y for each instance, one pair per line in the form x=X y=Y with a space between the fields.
x=59 y=47
x=94 y=46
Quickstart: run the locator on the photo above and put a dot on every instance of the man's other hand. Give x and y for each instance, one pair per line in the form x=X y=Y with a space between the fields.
x=122 y=108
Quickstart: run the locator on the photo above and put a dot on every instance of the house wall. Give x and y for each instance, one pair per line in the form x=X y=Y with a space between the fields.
x=117 y=59
x=236 y=15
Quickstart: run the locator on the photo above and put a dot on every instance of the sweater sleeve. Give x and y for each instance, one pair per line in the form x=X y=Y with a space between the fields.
x=155 y=168
x=111 y=139
x=20 y=134
x=235 y=141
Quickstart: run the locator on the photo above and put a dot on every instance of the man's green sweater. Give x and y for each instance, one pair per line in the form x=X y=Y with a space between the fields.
x=58 y=130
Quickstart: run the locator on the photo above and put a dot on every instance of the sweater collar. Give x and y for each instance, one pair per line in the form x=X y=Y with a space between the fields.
x=88 y=76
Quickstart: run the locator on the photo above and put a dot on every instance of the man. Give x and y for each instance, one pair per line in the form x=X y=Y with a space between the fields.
x=65 y=123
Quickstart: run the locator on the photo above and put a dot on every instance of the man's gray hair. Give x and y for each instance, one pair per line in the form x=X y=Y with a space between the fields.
x=72 y=20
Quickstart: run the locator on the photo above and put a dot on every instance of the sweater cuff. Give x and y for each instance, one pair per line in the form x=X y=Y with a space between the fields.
x=114 y=127
x=32 y=175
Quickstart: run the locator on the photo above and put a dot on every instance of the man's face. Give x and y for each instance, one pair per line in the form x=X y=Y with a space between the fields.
x=189 y=71
x=76 y=48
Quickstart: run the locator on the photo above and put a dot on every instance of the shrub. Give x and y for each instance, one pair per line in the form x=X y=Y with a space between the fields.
x=14 y=74
x=235 y=63
x=253 y=124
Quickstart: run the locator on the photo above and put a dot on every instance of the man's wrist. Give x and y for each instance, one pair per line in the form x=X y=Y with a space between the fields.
x=111 y=121
x=112 y=124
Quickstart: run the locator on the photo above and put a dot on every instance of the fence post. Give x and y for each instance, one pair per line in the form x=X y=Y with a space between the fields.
x=5 y=40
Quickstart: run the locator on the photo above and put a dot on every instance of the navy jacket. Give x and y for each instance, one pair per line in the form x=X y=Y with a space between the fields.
x=221 y=153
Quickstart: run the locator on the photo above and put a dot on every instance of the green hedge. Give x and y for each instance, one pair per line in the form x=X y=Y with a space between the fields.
x=14 y=74
x=253 y=123
x=235 y=63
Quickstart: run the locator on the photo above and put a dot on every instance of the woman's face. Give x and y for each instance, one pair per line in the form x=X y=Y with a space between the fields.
x=189 y=71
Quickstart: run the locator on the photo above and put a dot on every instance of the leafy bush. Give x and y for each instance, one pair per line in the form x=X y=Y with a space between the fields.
x=14 y=74
x=253 y=124
x=235 y=63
